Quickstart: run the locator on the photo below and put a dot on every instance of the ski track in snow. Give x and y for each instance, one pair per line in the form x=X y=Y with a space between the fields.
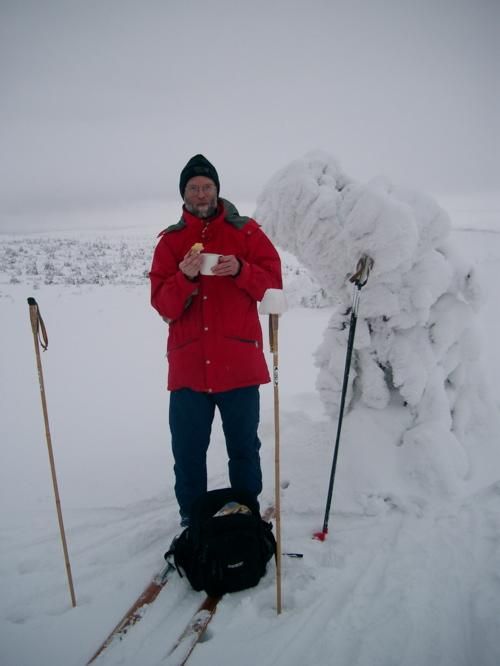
x=401 y=580
x=376 y=593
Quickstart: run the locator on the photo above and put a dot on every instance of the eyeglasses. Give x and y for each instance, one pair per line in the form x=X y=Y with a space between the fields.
x=205 y=189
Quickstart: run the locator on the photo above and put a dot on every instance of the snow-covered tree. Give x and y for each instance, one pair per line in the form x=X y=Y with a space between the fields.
x=415 y=342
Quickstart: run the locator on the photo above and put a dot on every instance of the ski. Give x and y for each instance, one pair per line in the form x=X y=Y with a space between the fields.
x=137 y=610
x=197 y=625
x=194 y=630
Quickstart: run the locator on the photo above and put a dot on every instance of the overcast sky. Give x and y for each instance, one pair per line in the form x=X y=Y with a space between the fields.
x=105 y=100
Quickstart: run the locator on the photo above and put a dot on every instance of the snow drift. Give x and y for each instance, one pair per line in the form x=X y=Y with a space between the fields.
x=404 y=578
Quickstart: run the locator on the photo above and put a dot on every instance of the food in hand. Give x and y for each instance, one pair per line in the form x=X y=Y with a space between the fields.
x=197 y=248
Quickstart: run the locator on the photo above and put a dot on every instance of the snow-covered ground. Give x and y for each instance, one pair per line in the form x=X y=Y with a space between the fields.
x=404 y=578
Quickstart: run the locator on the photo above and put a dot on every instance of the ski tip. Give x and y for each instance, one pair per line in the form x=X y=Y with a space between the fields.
x=320 y=536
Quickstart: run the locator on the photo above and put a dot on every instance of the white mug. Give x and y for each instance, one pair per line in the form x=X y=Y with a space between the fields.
x=208 y=261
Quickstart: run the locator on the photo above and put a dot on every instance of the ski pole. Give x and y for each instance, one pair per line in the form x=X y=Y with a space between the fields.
x=274 y=304
x=359 y=279
x=40 y=338
x=273 y=343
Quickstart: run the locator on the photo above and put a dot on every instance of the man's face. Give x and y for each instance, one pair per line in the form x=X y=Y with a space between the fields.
x=200 y=196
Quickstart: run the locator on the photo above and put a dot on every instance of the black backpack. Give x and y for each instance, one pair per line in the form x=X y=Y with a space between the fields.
x=227 y=544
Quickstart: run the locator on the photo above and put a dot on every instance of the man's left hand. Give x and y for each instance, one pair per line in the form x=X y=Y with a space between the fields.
x=227 y=266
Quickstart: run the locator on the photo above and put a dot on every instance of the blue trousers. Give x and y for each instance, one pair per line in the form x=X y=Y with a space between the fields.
x=191 y=415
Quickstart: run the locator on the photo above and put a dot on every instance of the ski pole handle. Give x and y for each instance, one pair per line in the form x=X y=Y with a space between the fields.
x=363 y=268
x=273 y=333
x=39 y=330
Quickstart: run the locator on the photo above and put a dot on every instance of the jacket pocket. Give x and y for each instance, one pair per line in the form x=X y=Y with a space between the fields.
x=248 y=341
x=181 y=345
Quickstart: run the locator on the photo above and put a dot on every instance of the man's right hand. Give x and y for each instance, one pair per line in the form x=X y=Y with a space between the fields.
x=191 y=264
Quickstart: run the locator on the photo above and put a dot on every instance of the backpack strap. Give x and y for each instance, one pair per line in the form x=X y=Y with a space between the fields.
x=170 y=554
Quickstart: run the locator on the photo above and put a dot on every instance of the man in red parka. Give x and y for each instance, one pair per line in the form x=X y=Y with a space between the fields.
x=214 y=349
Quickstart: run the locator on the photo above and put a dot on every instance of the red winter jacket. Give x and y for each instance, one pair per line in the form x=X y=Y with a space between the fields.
x=215 y=337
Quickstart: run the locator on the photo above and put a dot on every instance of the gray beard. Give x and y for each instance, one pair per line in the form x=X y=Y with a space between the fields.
x=206 y=212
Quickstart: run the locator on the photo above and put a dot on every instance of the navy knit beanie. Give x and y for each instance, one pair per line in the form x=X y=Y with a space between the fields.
x=198 y=166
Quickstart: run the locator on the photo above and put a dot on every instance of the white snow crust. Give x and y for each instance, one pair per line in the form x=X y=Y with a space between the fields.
x=408 y=575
